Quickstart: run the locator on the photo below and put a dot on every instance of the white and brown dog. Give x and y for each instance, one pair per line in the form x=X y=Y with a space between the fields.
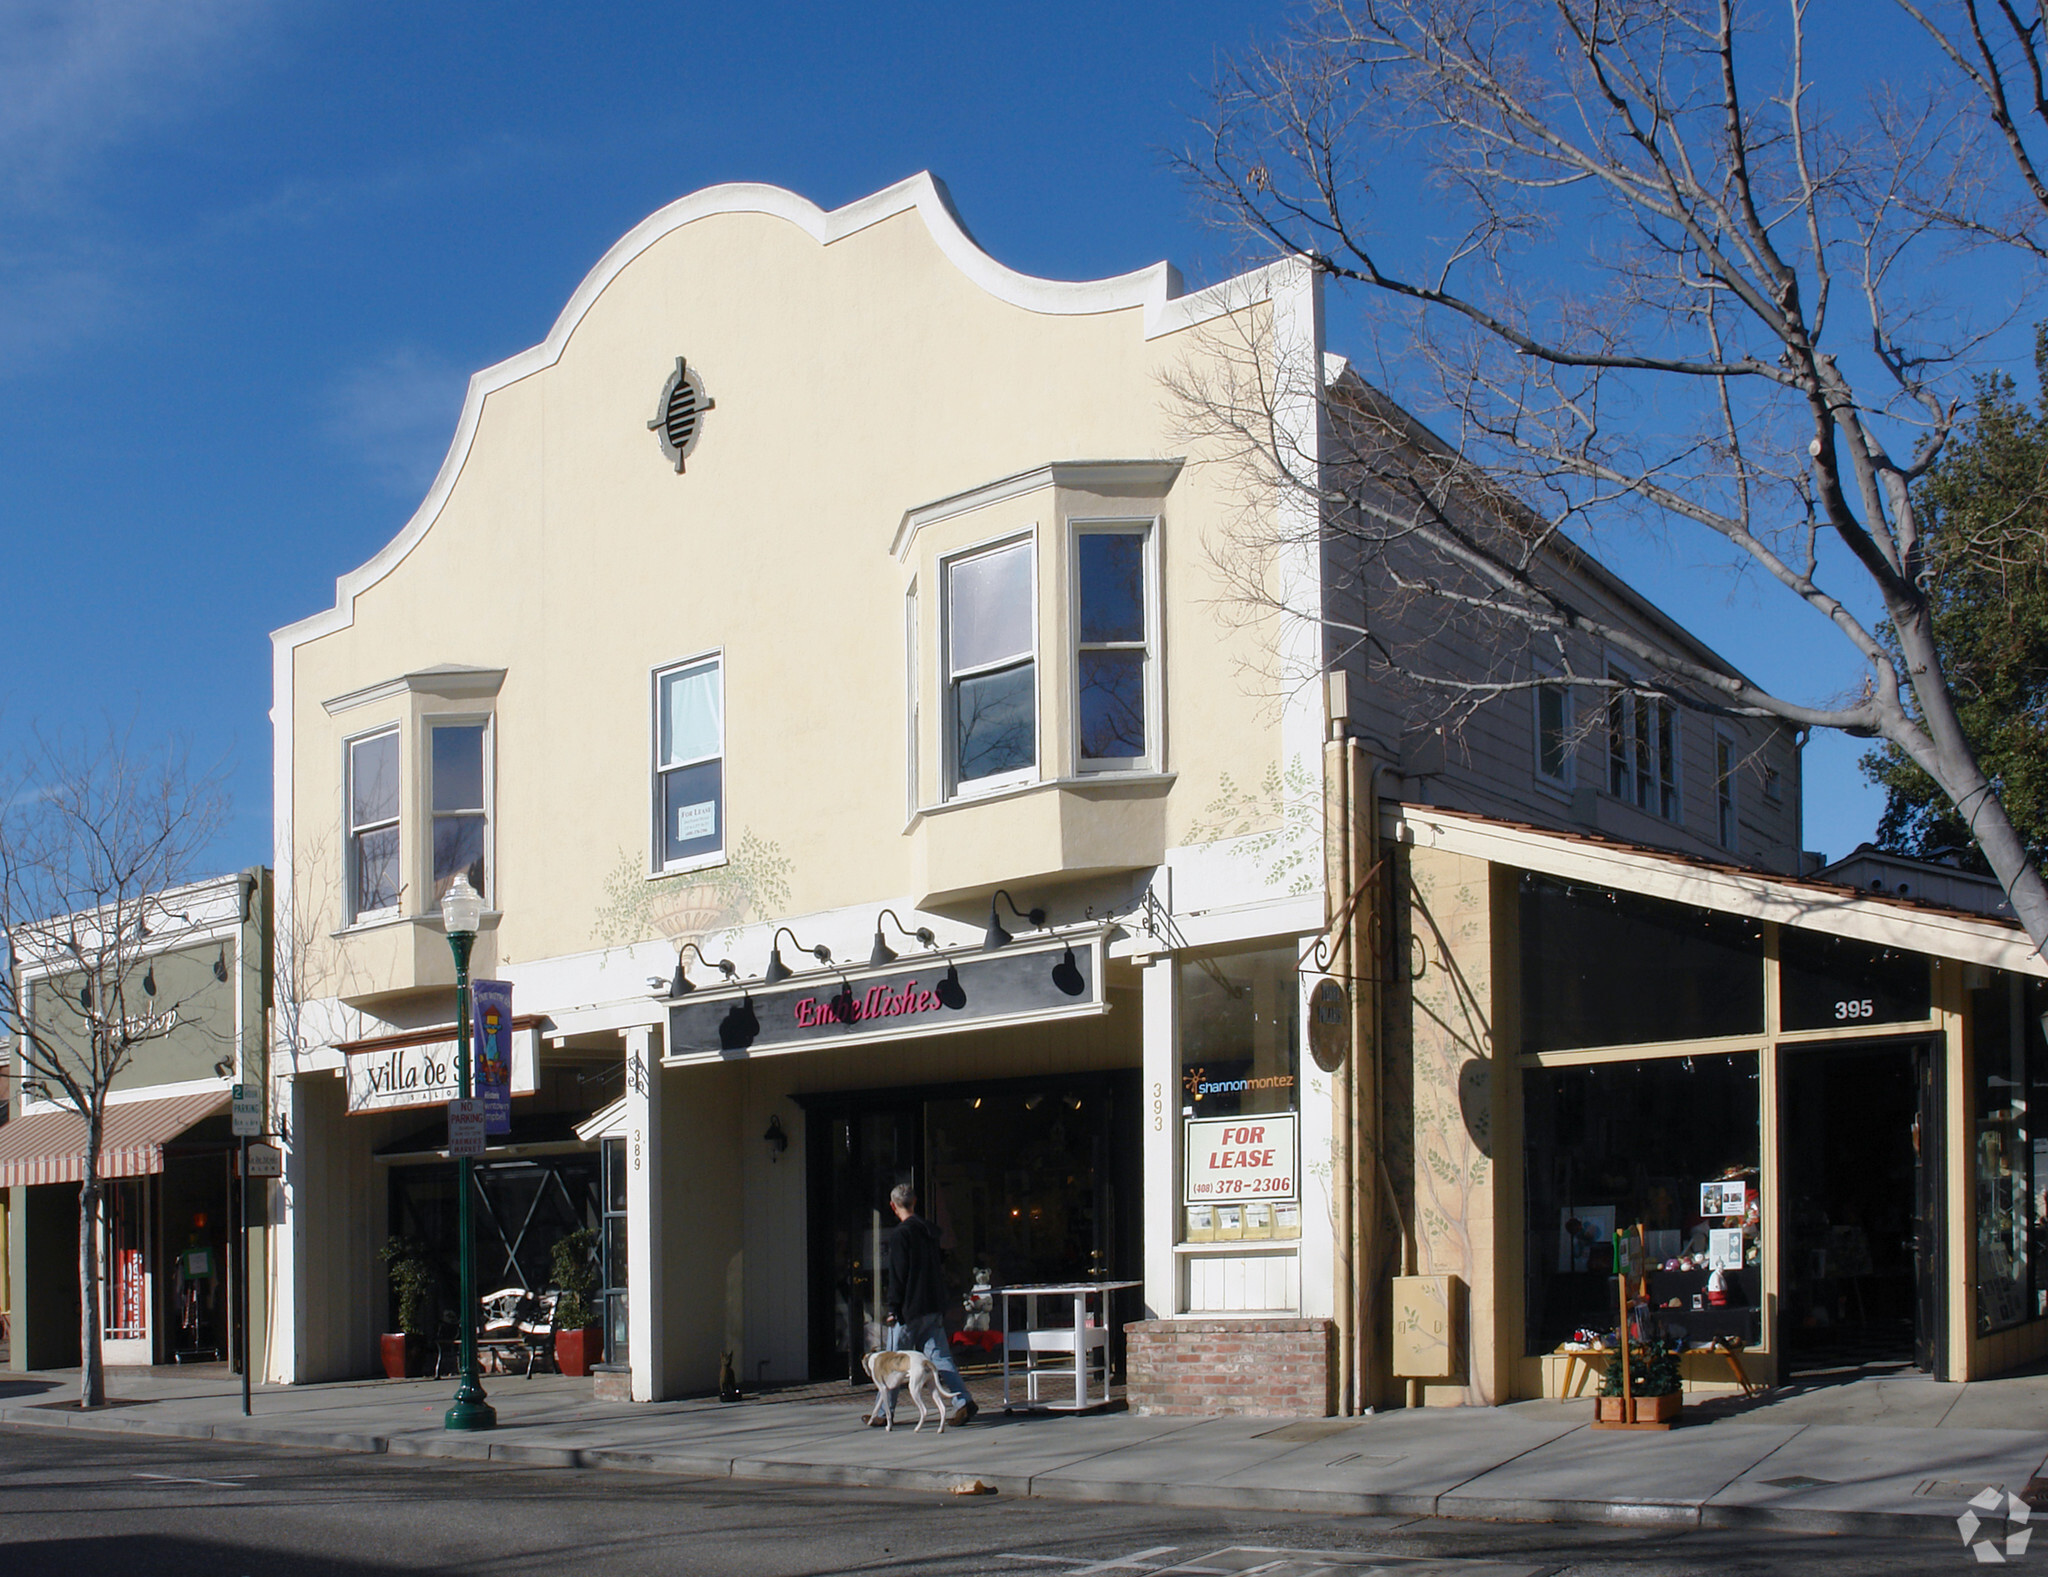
x=911 y=1373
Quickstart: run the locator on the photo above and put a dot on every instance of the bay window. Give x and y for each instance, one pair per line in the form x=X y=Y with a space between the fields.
x=373 y=849
x=1113 y=647
x=461 y=819
x=991 y=653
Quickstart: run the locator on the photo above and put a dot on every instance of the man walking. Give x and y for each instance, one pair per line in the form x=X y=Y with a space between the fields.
x=915 y=1296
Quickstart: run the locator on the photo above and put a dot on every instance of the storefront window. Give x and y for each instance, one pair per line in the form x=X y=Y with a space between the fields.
x=1669 y=1144
x=1240 y=1024
x=1602 y=968
x=2010 y=1164
x=1829 y=982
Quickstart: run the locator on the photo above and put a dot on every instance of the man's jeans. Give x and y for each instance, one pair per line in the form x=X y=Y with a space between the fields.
x=927 y=1334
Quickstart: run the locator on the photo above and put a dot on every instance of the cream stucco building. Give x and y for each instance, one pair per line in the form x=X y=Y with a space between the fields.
x=823 y=598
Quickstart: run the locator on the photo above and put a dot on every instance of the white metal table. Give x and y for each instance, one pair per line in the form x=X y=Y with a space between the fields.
x=1072 y=1355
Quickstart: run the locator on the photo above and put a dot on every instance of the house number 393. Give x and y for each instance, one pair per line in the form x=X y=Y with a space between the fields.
x=1158 y=1107
x=1865 y=1008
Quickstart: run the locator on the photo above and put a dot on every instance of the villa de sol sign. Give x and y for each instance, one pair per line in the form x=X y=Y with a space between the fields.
x=421 y=1070
x=931 y=995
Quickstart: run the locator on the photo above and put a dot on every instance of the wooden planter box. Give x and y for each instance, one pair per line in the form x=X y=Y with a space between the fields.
x=1651 y=1412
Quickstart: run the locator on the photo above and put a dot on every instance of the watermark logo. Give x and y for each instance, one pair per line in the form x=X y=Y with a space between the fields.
x=1990 y=1552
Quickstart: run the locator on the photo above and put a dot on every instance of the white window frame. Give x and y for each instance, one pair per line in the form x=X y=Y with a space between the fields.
x=1147 y=527
x=1566 y=775
x=1656 y=786
x=350 y=832
x=487 y=721
x=657 y=769
x=949 y=750
x=1727 y=805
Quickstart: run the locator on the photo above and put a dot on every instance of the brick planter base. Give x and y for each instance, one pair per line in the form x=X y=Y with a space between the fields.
x=1264 y=1368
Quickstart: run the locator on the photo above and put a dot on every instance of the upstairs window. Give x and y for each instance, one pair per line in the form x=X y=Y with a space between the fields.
x=991 y=619
x=1642 y=752
x=461 y=818
x=1553 y=734
x=374 y=871
x=1113 y=657
x=689 y=790
x=1724 y=791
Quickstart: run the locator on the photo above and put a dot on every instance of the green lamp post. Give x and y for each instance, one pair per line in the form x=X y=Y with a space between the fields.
x=462 y=911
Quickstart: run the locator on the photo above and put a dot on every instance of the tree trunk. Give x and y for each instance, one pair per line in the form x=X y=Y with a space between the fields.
x=1944 y=752
x=92 y=1383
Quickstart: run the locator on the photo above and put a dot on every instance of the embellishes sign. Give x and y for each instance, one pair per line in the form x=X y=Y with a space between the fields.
x=1240 y=1158
x=928 y=996
x=420 y=1070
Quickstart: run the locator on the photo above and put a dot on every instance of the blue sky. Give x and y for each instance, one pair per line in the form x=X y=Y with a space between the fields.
x=251 y=252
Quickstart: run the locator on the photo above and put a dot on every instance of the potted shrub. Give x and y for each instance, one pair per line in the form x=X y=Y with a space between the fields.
x=578 y=1341
x=1654 y=1380
x=404 y=1350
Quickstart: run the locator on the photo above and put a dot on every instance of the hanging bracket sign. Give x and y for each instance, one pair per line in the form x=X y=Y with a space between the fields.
x=420 y=1069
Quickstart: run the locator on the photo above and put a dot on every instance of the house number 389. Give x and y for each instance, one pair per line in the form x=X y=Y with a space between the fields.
x=1860 y=1009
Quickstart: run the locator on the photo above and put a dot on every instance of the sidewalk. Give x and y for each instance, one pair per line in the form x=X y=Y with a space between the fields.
x=1899 y=1456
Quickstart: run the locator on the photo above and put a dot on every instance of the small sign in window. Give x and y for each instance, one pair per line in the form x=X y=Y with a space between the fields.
x=696 y=821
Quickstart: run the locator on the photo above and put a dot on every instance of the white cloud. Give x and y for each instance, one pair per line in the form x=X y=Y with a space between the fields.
x=77 y=76
x=398 y=414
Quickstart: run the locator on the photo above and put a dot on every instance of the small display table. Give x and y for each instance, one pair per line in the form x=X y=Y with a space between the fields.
x=1073 y=1355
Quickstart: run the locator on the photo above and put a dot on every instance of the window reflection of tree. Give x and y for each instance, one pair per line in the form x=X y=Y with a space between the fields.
x=995 y=722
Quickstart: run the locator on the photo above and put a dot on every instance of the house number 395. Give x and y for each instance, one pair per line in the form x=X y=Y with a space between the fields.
x=1864 y=1008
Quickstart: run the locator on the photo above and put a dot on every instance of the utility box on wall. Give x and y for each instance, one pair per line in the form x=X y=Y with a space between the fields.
x=1426 y=1327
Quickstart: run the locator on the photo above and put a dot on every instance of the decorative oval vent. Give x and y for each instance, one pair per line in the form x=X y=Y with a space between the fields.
x=679 y=419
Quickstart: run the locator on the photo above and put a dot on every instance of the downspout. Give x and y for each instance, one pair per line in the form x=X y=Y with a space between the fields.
x=1337 y=886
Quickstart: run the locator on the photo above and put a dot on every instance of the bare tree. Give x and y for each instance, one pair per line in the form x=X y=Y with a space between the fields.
x=93 y=834
x=1629 y=265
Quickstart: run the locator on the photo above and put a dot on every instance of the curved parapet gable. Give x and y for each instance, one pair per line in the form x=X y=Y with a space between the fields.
x=1156 y=290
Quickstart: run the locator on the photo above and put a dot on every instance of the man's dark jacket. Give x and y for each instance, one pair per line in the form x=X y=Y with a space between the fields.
x=916 y=1282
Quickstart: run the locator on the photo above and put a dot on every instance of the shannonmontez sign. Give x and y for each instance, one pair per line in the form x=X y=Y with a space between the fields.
x=937 y=994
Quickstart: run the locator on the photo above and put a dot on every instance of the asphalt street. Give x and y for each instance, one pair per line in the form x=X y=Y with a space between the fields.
x=112 y=1507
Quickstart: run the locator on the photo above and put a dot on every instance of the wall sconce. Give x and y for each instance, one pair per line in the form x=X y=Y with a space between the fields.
x=883 y=953
x=997 y=936
x=220 y=964
x=149 y=981
x=681 y=985
x=776 y=1140
x=224 y=1067
x=777 y=970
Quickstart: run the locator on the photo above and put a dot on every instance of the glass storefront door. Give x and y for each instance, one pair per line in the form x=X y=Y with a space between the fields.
x=1026 y=1180
x=857 y=1156
x=1860 y=1139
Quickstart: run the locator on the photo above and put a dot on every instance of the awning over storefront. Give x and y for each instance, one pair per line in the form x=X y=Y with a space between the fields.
x=49 y=1147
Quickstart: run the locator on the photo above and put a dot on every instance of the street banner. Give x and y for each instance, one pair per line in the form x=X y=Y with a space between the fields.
x=491 y=1001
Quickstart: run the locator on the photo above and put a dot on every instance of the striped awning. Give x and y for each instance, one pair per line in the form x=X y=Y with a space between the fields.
x=49 y=1147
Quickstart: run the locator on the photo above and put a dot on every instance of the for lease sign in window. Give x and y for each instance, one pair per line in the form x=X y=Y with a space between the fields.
x=1240 y=1157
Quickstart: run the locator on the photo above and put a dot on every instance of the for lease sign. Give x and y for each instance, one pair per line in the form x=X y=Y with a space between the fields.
x=1240 y=1158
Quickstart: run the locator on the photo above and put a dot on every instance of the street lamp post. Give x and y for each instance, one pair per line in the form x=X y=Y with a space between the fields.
x=462 y=911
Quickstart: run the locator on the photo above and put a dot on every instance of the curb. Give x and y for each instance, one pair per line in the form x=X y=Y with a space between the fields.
x=1052 y=1485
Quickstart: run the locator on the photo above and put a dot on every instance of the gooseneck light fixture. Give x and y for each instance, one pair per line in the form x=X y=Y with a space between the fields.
x=462 y=912
x=777 y=970
x=682 y=985
x=883 y=953
x=997 y=936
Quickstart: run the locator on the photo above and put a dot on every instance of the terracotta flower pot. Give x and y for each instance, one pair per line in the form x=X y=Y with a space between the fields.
x=576 y=1351
x=404 y=1356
